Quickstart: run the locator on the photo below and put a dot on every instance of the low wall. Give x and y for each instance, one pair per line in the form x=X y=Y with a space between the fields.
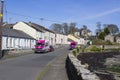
x=77 y=71
x=109 y=46
x=112 y=46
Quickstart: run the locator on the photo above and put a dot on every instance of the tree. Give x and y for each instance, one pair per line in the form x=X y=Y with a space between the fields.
x=72 y=28
x=65 y=28
x=57 y=28
x=102 y=35
x=113 y=28
x=98 y=30
x=84 y=34
x=84 y=27
x=106 y=31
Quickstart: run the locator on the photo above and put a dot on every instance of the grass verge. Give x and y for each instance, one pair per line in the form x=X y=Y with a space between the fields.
x=42 y=74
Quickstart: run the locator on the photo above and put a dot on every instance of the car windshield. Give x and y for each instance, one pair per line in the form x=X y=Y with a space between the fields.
x=40 y=44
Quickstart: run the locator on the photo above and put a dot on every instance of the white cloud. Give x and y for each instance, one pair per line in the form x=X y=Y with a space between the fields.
x=102 y=14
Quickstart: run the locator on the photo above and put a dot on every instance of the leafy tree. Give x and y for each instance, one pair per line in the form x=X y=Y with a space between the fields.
x=106 y=31
x=97 y=34
x=102 y=35
x=113 y=28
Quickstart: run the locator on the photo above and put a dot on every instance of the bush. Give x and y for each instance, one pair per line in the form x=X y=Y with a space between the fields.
x=74 y=52
x=94 y=48
x=78 y=49
x=83 y=50
x=102 y=42
x=109 y=43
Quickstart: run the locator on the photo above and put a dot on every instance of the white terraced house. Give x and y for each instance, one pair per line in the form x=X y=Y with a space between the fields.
x=39 y=32
x=15 y=39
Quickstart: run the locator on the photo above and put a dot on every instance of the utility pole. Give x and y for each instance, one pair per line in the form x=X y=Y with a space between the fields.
x=1 y=23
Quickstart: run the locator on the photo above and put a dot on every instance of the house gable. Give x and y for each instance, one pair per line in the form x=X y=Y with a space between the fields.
x=25 y=28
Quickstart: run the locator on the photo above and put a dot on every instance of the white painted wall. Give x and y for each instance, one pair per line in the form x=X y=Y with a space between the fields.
x=89 y=33
x=81 y=41
x=49 y=36
x=61 y=39
x=38 y=35
x=46 y=35
x=25 y=28
x=52 y=38
x=4 y=44
x=17 y=43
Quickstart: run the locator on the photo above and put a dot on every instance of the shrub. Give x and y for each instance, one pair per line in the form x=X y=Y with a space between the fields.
x=102 y=42
x=78 y=49
x=83 y=50
x=109 y=43
x=94 y=48
x=79 y=46
x=74 y=52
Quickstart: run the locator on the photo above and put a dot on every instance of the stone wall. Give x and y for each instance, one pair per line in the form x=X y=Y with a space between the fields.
x=77 y=71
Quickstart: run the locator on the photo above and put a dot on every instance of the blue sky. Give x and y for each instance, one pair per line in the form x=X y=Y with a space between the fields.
x=83 y=12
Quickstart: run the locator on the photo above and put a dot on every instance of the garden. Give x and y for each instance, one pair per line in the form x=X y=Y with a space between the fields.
x=105 y=63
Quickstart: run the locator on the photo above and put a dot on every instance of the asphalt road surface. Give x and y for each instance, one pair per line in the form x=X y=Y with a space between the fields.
x=27 y=67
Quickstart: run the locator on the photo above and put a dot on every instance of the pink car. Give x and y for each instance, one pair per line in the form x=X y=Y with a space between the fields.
x=73 y=45
x=42 y=46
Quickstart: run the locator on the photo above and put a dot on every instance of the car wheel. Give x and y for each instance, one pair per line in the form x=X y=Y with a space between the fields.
x=35 y=52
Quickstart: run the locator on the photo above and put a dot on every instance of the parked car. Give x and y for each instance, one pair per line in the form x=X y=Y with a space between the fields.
x=51 y=48
x=73 y=45
x=42 y=46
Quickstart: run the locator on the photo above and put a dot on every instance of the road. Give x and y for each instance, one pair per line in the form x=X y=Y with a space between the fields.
x=27 y=67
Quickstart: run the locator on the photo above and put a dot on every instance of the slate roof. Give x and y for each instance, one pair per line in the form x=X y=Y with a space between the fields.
x=39 y=27
x=15 y=33
x=10 y=26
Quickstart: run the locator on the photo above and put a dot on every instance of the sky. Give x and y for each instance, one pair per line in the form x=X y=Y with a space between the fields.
x=47 y=12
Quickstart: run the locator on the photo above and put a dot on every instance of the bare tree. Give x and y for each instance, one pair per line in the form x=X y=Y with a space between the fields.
x=65 y=28
x=57 y=28
x=72 y=28
x=98 y=30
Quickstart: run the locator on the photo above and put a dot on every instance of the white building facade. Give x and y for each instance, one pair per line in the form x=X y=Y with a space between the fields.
x=28 y=29
x=14 y=39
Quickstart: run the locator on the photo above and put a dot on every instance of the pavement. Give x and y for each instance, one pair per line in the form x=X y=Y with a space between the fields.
x=17 y=53
x=57 y=69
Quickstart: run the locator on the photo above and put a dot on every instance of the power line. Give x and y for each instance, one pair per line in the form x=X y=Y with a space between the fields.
x=17 y=14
